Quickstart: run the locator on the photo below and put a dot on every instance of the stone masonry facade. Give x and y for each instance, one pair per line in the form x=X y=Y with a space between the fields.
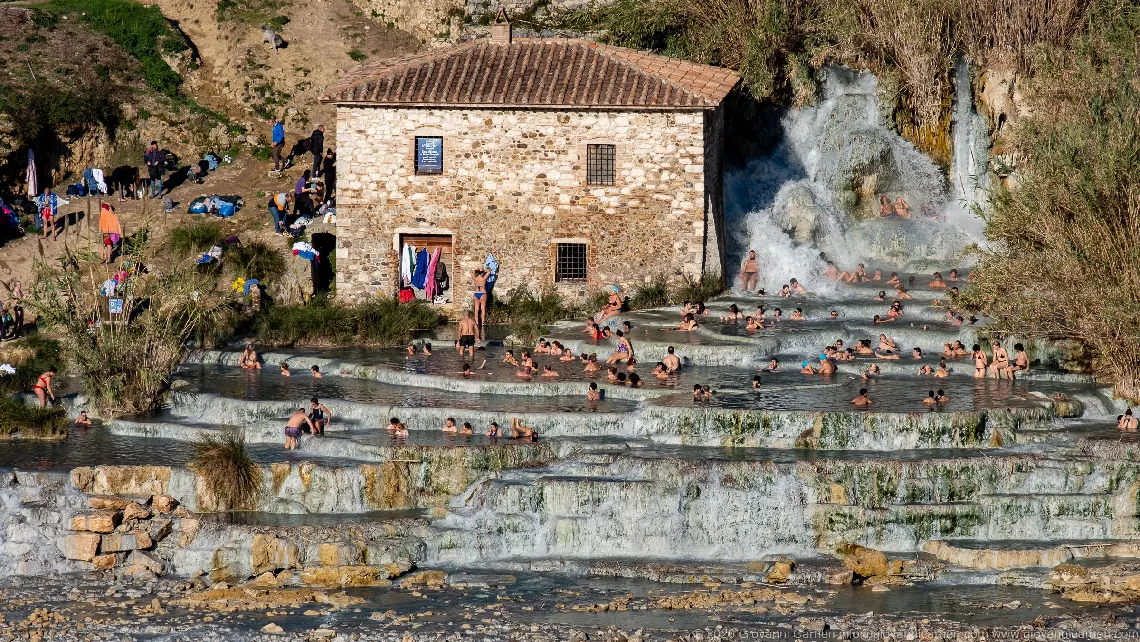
x=514 y=183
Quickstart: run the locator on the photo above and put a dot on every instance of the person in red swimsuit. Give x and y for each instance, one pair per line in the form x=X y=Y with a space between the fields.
x=43 y=387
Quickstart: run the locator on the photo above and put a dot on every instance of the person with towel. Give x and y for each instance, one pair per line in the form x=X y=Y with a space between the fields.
x=112 y=232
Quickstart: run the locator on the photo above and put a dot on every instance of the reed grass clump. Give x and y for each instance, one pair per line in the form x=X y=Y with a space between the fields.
x=1065 y=235
x=31 y=422
x=381 y=323
x=226 y=471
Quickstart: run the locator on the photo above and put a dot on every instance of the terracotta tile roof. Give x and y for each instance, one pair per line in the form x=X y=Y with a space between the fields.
x=559 y=72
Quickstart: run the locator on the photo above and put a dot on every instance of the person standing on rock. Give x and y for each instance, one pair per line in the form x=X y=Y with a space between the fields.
x=155 y=166
x=293 y=428
x=749 y=272
x=277 y=140
x=316 y=144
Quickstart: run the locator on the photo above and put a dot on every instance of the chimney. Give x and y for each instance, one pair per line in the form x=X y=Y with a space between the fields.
x=501 y=30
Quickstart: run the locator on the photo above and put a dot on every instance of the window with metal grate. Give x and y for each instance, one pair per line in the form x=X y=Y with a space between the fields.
x=600 y=164
x=571 y=264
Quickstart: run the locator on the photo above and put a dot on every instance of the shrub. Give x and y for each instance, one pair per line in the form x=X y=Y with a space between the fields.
x=255 y=260
x=126 y=363
x=228 y=473
x=528 y=314
x=138 y=28
x=32 y=422
x=195 y=237
x=701 y=289
x=40 y=110
x=384 y=322
x=1062 y=262
x=31 y=356
x=650 y=295
x=357 y=55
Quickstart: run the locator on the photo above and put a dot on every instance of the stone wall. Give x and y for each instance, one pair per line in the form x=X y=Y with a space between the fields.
x=514 y=183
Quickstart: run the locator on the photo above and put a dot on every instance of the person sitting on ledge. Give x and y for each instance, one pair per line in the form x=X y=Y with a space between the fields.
x=592 y=393
x=930 y=400
x=567 y=355
x=797 y=287
x=315 y=370
x=396 y=429
x=733 y=315
x=509 y=357
x=941 y=397
x=902 y=209
x=249 y=358
x=937 y=283
x=901 y=293
x=806 y=368
x=612 y=306
x=548 y=372
x=862 y=399
x=493 y=431
x=753 y=324
x=285 y=370
x=449 y=425
x=1127 y=422
x=942 y=372
x=798 y=315
x=320 y=415
x=858 y=276
x=592 y=364
x=925 y=370
x=467 y=429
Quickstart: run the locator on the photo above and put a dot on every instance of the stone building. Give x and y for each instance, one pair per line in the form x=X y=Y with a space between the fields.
x=579 y=165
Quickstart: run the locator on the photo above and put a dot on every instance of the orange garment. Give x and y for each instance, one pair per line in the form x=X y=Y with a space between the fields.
x=109 y=221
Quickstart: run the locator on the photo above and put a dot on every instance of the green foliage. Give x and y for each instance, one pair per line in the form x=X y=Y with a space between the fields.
x=357 y=55
x=31 y=422
x=1066 y=236
x=31 y=356
x=125 y=364
x=255 y=260
x=257 y=13
x=230 y=476
x=650 y=295
x=40 y=109
x=384 y=322
x=195 y=237
x=138 y=28
x=528 y=314
x=701 y=289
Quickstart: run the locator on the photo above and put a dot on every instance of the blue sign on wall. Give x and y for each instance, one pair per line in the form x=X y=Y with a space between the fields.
x=429 y=155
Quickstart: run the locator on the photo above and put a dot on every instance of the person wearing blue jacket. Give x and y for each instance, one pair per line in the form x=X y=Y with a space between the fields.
x=278 y=140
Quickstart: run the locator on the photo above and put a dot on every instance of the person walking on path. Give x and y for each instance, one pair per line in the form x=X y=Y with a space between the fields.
x=279 y=209
x=316 y=146
x=111 y=230
x=277 y=138
x=155 y=166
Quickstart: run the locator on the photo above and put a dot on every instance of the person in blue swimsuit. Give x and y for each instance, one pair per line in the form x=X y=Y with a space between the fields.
x=479 y=280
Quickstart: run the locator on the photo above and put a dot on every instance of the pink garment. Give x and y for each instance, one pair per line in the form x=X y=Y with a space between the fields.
x=429 y=287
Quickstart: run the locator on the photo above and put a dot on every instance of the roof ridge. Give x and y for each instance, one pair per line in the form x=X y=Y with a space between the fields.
x=540 y=72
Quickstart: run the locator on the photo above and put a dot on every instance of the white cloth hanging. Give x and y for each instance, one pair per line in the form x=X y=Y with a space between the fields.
x=98 y=175
x=406 y=262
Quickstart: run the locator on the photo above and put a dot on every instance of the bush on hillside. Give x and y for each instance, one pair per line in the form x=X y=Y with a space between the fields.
x=1062 y=263
x=140 y=29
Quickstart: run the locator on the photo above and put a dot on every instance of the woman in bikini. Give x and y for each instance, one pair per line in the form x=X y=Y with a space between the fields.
x=980 y=361
x=479 y=281
x=624 y=350
x=43 y=387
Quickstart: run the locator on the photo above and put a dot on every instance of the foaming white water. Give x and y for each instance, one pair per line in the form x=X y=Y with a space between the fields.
x=817 y=191
x=969 y=177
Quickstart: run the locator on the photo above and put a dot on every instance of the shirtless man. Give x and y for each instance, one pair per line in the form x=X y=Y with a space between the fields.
x=592 y=393
x=1127 y=422
x=749 y=272
x=826 y=366
x=1000 y=363
x=549 y=372
x=901 y=293
x=467 y=330
x=773 y=365
x=937 y=283
x=862 y=399
x=449 y=425
x=671 y=361
x=797 y=287
x=479 y=281
x=930 y=400
x=293 y=428
x=941 y=397
x=249 y=358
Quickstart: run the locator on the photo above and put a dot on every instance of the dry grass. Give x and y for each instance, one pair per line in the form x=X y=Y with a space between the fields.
x=1067 y=236
x=226 y=470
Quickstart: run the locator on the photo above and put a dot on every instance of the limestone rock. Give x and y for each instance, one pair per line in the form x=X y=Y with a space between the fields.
x=270 y=553
x=140 y=573
x=108 y=502
x=160 y=528
x=134 y=511
x=425 y=578
x=80 y=546
x=272 y=628
x=139 y=558
x=780 y=571
x=163 y=503
x=126 y=541
x=1102 y=584
x=104 y=562
x=841 y=576
x=863 y=561
x=340 y=554
x=345 y=576
x=103 y=521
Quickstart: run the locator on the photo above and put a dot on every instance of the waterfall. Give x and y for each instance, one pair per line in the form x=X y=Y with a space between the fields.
x=815 y=195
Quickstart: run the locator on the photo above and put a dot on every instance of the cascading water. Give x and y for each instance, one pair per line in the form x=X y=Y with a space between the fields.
x=818 y=190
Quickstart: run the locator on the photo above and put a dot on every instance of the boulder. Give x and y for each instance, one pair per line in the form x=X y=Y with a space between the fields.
x=139 y=558
x=135 y=511
x=104 y=562
x=345 y=576
x=163 y=503
x=140 y=573
x=108 y=502
x=79 y=546
x=341 y=554
x=272 y=628
x=425 y=578
x=863 y=561
x=160 y=528
x=126 y=541
x=102 y=521
x=781 y=569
